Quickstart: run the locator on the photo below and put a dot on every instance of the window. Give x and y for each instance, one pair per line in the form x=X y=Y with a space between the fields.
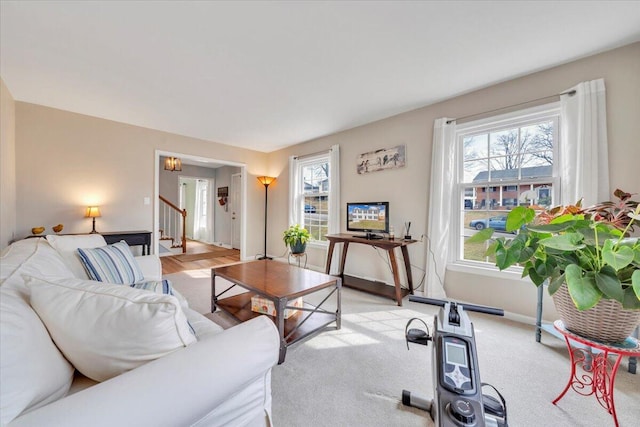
x=314 y=200
x=504 y=162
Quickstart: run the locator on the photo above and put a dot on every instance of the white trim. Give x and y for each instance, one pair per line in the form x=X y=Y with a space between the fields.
x=532 y=114
x=488 y=270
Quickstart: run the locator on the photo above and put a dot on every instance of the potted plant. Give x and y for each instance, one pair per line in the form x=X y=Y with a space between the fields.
x=296 y=238
x=586 y=256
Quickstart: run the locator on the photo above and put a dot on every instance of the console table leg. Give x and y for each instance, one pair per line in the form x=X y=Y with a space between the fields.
x=407 y=267
x=396 y=276
x=327 y=269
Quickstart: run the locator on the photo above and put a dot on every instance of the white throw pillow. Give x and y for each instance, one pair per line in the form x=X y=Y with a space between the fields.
x=104 y=329
x=67 y=247
x=33 y=372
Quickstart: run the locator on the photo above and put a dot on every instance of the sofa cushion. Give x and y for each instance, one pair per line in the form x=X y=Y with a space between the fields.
x=67 y=248
x=163 y=287
x=35 y=257
x=106 y=329
x=33 y=372
x=112 y=264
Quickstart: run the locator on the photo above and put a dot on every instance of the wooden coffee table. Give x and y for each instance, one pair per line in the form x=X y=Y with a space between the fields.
x=279 y=283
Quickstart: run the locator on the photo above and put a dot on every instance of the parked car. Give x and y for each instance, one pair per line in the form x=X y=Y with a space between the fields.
x=309 y=209
x=498 y=223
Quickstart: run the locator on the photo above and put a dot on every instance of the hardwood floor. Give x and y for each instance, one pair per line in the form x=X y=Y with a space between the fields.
x=199 y=255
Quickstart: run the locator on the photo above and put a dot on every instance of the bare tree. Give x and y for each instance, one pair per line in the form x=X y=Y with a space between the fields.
x=529 y=149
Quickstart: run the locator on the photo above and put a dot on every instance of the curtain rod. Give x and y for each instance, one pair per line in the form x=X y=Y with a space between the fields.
x=312 y=154
x=569 y=92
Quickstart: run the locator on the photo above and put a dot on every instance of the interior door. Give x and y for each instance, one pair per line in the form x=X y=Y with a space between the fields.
x=236 y=209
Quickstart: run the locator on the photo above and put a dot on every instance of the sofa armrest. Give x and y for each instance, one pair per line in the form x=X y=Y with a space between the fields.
x=176 y=390
x=150 y=266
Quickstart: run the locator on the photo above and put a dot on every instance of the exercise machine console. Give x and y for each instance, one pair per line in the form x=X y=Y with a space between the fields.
x=458 y=399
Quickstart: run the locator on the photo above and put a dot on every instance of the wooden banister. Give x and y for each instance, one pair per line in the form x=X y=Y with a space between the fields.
x=183 y=213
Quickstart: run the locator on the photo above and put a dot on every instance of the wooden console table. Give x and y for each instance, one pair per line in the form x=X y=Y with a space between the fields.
x=133 y=238
x=376 y=288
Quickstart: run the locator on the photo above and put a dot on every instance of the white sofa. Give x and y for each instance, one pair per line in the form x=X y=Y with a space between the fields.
x=219 y=377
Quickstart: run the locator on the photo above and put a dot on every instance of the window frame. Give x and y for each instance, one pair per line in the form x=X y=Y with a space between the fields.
x=299 y=198
x=519 y=119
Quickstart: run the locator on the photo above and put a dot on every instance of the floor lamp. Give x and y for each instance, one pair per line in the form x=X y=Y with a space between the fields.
x=265 y=180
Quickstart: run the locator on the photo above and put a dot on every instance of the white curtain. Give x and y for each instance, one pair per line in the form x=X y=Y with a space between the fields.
x=334 y=202
x=584 y=160
x=441 y=216
x=294 y=191
x=200 y=211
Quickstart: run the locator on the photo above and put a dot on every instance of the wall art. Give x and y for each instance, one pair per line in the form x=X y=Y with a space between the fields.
x=385 y=158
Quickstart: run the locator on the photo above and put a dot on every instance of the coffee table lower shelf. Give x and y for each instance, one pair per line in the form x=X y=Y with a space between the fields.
x=239 y=306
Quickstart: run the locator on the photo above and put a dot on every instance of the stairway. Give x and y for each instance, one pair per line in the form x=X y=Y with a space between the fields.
x=173 y=225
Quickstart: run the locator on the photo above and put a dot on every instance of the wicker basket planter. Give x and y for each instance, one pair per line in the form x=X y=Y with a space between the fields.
x=607 y=321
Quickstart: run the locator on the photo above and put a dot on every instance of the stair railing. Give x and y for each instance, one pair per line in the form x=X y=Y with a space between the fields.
x=174 y=224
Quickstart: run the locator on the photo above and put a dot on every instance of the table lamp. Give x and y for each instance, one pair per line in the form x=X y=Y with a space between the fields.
x=93 y=212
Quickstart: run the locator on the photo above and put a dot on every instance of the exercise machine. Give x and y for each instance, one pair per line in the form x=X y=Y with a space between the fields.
x=458 y=400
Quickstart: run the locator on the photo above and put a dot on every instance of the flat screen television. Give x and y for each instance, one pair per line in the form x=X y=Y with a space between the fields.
x=369 y=218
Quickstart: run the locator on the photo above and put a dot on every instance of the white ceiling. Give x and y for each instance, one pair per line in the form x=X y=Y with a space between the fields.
x=265 y=75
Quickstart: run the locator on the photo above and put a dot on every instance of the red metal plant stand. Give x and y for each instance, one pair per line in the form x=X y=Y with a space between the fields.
x=599 y=372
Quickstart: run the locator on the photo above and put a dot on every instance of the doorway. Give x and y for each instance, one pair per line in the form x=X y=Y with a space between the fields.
x=208 y=220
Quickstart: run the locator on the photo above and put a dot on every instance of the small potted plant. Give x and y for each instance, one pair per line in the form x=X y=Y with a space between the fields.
x=296 y=238
x=586 y=256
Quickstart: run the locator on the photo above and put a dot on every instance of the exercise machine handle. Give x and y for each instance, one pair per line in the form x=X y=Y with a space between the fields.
x=469 y=307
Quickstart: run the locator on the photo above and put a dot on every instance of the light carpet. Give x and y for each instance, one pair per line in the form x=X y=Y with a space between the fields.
x=355 y=376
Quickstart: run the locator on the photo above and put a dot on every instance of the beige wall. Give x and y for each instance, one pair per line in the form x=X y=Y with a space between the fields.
x=406 y=189
x=7 y=166
x=66 y=161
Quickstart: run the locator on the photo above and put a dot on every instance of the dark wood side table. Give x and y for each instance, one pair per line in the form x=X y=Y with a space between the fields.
x=133 y=238
x=375 y=288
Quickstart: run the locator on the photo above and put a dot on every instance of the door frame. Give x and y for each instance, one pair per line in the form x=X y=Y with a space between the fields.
x=156 y=191
x=241 y=213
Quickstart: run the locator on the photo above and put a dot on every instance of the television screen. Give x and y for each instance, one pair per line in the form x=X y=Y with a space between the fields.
x=368 y=217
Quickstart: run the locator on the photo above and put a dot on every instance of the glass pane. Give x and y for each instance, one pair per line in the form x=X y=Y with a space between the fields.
x=476 y=171
x=504 y=168
x=316 y=177
x=504 y=143
x=540 y=163
x=469 y=198
x=538 y=137
x=316 y=216
x=545 y=195
x=475 y=147
x=538 y=196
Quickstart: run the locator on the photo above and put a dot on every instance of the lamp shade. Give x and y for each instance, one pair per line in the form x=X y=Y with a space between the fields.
x=266 y=180
x=172 y=164
x=92 y=212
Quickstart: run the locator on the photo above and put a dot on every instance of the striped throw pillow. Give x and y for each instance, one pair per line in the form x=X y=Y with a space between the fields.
x=158 y=286
x=112 y=264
